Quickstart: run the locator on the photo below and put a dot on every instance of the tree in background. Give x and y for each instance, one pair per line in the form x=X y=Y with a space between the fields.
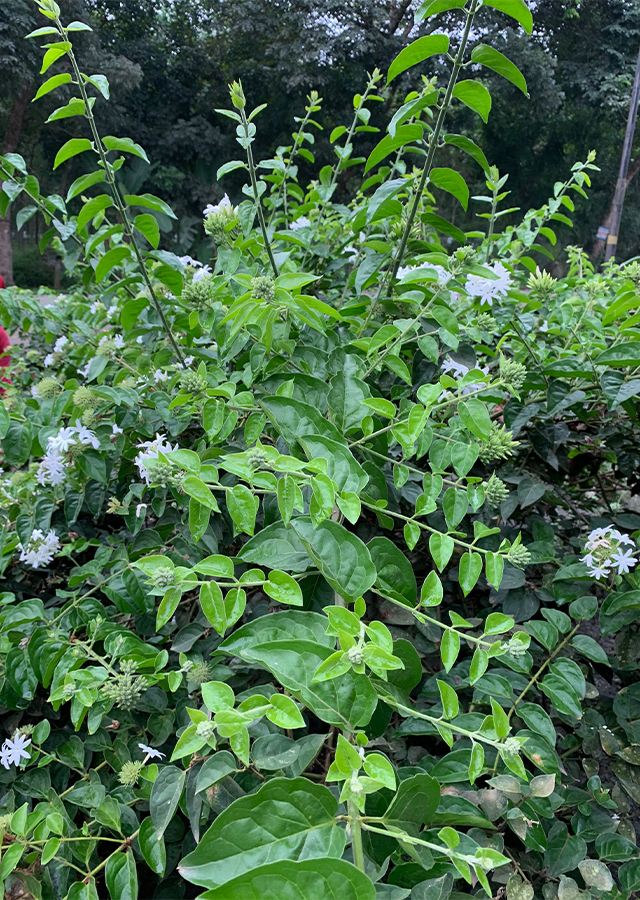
x=579 y=63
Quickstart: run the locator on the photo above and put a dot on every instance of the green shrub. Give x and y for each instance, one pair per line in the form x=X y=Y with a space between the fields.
x=304 y=565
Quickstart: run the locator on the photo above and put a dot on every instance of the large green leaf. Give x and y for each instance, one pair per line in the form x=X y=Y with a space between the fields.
x=497 y=61
x=627 y=353
x=417 y=52
x=294 y=419
x=415 y=803
x=404 y=134
x=475 y=96
x=348 y=701
x=276 y=545
x=340 y=555
x=342 y=466
x=395 y=573
x=165 y=796
x=121 y=876
x=287 y=819
x=451 y=181
x=327 y=879
x=282 y=626
x=517 y=9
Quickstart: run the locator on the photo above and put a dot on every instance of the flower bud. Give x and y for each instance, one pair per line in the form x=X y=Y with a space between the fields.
x=495 y=490
x=237 y=95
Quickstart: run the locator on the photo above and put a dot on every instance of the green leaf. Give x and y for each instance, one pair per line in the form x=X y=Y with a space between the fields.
x=380 y=769
x=469 y=571
x=404 y=134
x=283 y=626
x=283 y=588
x=110 y=260
x=10 y=859
x=217 y=695
x=215 y=769
x=475 y=416
x=148 y=201
x=590 y=648
x=620 y=356
x=469 y=147
x=284 y=713
x=475 y=96
x=517 y=9
x=71 y=148
x=92 y=207
x=243 y=508
x=497 y=61
x=451 y=181
x=449 y=699
x=49 y=850
x=449 y=648
x=537 y=720
x=148 y=226
x=500 y=720
x=249 y=833
x=53 y=54
x=348 y=701
x=441 y=547
x=415 y=803
x=75 y=107
x=303 y=880
x=51 y=84
x=340 y=555
x=121 y=876
x=494 y=567
x=417 y=52
x=222 y=612
x=200 y=492
x=395 y=575
x=165 y=796
x=431 y=592
x=124 y=145
x=479 y=665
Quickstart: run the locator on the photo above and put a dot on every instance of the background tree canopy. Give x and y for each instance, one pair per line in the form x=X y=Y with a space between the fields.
x=579 y=64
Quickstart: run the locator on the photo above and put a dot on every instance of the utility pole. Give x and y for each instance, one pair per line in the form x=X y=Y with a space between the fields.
x=621 y=184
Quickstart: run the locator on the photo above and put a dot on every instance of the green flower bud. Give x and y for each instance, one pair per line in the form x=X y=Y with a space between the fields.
x=192 y=383
x=200 y=673
x=163 y=578
x=47 y=388
x=518 y=555
x=257 y=458
x=510 y=748
x=516 y=648
x=512 y=373
x=237 y=95
x=159 y=472
x=199 y=294
x=33 y=355
x=487 y=323
x=88 y=418
x=495 y=491
x=205 y=729
x=355 y=656
x=85 y=398
x=263 y=288
x=542 y=284
x=106 y=348
x=632 y=273
x=498 y=445
x=130 y=773
x=125 y=689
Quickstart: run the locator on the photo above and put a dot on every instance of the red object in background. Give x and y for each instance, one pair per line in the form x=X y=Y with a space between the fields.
x=4 y=344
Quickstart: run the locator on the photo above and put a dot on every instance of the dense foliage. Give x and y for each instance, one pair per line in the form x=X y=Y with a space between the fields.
x=307 y=551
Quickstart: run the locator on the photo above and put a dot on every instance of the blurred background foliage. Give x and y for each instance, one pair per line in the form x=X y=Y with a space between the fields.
x=579 y=64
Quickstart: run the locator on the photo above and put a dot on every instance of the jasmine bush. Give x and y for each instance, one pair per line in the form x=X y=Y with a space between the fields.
x=306 y=548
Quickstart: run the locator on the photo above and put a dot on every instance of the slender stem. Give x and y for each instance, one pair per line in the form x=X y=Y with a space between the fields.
x=355 y=823
x=474 y=735
x=120 y=205
x=256 y=196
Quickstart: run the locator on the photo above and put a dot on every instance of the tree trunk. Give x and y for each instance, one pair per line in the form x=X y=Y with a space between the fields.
x=10 y=145
x=599 y=243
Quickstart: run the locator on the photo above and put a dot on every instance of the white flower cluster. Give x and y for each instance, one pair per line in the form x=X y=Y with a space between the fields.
x=605 y=551
x=459 y=370
x=202 y=271
x=52 y=469
x=40 y=550
x=117 y=339
x=300 y=222
x=58 y=347
x=225 y=205
x=151 y=753
x=151 y=450
x=13 y=752
x=489 y=289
